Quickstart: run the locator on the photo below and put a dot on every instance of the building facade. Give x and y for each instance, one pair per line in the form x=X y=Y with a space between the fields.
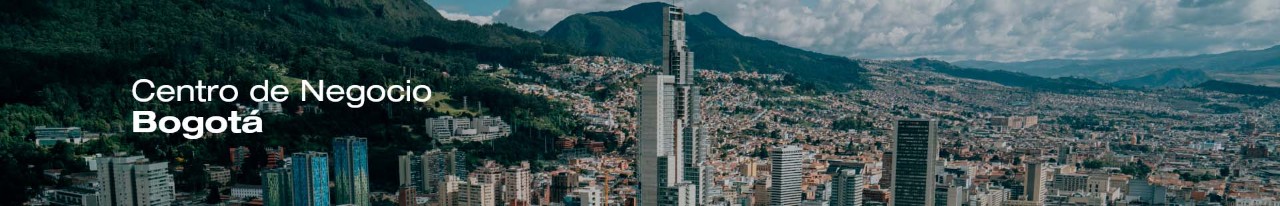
x=785 y=176
x=915 y=151
x=310 y=177
x=351 y=171
x=135 y=181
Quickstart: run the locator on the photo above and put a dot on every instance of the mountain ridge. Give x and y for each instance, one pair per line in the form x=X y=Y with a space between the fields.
x=1244 y=66
x=634 y=33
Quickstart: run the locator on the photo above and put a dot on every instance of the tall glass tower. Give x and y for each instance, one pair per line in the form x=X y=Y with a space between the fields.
x=310 y=179
x=276 y=187
x=351 y=171
x=672 y=149
x=915 y=151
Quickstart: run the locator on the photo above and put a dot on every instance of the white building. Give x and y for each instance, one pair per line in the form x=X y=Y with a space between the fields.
x=246 y=191
x=785 y=176
x=462 y=129
x=135 y=181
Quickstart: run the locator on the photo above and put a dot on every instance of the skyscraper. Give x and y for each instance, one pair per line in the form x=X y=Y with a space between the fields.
x=135 y=181
x=310 y=176
x=276 y=188
x=672 y=150
x=1035 y=189
x=351 y=171
x=847 y=187
x=785 y=176
x=915 y=151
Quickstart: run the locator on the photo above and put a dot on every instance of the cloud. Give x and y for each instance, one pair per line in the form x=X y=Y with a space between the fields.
x=482 y=20
x=1002 y=30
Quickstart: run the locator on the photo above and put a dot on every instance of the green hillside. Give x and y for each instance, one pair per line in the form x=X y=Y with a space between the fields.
x=635 y=34
x=71 y=63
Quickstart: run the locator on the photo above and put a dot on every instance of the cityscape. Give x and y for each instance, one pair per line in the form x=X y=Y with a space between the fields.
x=519 y=120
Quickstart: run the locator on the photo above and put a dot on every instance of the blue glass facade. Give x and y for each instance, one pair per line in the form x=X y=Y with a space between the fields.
x=310 y=179
x=351 y=170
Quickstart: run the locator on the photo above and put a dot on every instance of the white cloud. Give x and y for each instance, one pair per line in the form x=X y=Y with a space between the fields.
x=482 y=20
x=1003 y=30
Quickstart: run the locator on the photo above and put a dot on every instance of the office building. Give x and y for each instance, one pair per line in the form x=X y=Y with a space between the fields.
x=276 y=187
x=915 y=151
x=785 y=175
x=846 y=187
x=561 y=184
x=1035 y=183
x=351 y=171
x=310 y=177
x=427 y=171
x=672 y=148
x=135 y=181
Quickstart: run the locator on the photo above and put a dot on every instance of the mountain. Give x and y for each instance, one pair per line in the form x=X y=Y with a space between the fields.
x=635 y=34
x=1165 y=79
x=1250 y=66
x=1238 y=88
x=1007 y=78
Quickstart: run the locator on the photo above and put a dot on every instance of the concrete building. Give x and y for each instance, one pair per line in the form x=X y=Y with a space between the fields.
x=785 y=175
x=246 y=191
x=462 y=129
x=1035 y=189
x=135 y=181
x=847 y=187
x=77 y=196
x=517 y=184
x=425 y=171
x=915 y=151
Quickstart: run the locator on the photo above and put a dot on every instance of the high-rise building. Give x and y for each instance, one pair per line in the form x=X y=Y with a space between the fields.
x=409 y=171
x=561 y=184
x=475 y=193
x=517 y=185
x=490 y=173
x=846 y=187
x=886 y=176
x=915 y=152
x=426 y=171
x=351 y=171
x=785 y=175
x=672 y=148
x=310 y=175
x=276 y=190
x=135 y=181
x=1035 y=189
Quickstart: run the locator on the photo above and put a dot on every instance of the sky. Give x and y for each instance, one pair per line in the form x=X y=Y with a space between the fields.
x=996 y=30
